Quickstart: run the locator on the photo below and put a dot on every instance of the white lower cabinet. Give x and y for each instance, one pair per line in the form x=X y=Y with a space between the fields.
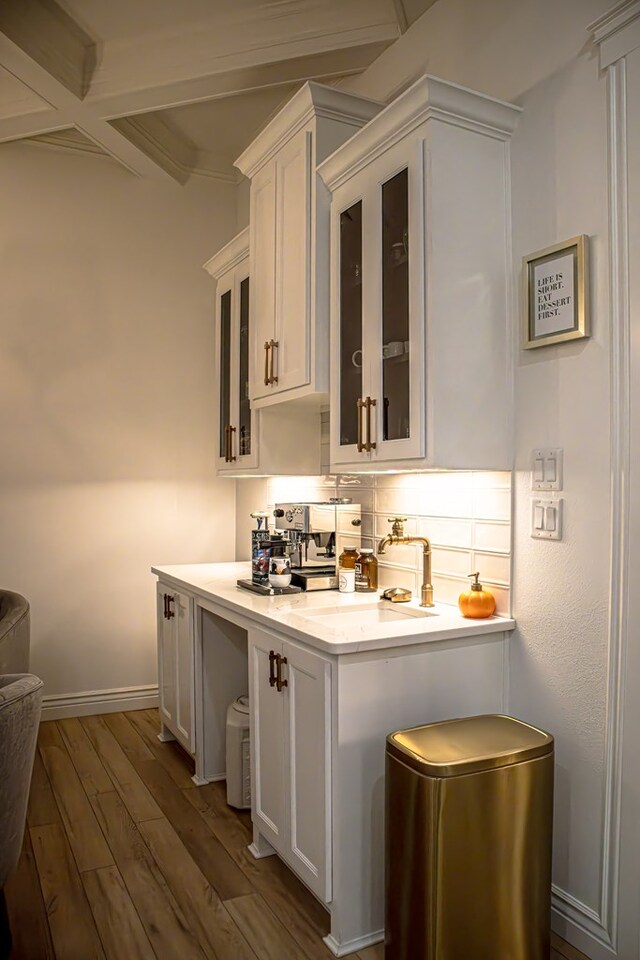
x=176 y=665
x=290 y=695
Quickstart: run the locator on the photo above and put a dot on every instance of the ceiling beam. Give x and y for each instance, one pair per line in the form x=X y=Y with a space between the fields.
x=49 y=36
x=228 y=83
x=401 y=15
x=25 y=57
x=116 y=105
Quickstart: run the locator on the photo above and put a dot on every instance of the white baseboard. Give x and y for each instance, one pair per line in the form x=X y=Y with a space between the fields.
x=58 y=706
x=350 y=946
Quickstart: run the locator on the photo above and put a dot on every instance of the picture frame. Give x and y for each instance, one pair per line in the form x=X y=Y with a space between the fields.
x=556 y=294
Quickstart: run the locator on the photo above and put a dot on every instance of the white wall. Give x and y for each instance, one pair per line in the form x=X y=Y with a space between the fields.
x=106 y=404
x=561 y=590
x=539 y=55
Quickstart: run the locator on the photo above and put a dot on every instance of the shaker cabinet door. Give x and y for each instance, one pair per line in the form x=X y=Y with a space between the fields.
x=291 y=756
x=167 y=663
x=267 y=733
x=263 y=273
x=176 y=680
x=185 y=685
x=293 y=265
x=308 y=766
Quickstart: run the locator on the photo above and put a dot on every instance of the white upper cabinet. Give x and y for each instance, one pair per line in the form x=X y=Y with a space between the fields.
x=421 y=298
x=236 y=445
x=289 y=241
x=248 y=441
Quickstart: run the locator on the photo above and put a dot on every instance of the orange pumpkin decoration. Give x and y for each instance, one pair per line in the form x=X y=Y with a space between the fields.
x=476 y=603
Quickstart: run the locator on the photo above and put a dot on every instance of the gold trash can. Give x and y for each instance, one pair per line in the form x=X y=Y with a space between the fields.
x=469 y=809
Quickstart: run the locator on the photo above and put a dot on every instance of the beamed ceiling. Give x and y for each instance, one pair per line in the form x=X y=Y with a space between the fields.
x=174 y=87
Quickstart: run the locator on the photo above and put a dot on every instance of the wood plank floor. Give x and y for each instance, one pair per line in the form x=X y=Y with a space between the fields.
x=124 y=859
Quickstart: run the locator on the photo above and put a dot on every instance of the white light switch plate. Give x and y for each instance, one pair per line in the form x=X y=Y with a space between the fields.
x=546 y=518
x=546 y=468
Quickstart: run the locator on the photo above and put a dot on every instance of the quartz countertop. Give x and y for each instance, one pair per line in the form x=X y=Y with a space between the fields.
x=327 y=620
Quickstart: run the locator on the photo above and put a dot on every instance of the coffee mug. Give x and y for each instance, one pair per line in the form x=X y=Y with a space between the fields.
x=280 y=571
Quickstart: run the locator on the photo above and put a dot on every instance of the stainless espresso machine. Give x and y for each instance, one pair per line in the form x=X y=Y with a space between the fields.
x=312 y=529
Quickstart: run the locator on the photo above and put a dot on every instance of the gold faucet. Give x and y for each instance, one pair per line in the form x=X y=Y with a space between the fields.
x=398 y=536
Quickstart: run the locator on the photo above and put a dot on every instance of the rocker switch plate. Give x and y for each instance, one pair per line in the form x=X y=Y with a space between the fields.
x=546 y=519
x=546 y=468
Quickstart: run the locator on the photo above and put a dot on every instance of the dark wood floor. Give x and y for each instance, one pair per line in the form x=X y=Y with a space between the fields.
x=124 y=859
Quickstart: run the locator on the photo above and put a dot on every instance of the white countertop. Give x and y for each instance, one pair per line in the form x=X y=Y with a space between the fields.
x=352 y=624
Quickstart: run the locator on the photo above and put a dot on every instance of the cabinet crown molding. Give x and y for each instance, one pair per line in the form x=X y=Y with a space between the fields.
x=615 y=19
x=312 y=100
x=230 y=255
x=428 y=98
x=617 y=33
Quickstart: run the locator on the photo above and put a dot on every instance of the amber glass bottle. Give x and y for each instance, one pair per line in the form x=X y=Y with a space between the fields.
x=366 y=572
x=347 y=570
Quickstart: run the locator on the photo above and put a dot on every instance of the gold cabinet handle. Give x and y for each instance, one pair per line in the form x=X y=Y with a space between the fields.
x=369 y=445
x=170 y=612
x=273 y=344
x=280 y=683
x=267 y=347
x=360 y=405
x=232 y=430
x=273 y=656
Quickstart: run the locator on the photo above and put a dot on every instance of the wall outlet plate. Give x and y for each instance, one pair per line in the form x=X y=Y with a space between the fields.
x=546 y=468
x=546 y=518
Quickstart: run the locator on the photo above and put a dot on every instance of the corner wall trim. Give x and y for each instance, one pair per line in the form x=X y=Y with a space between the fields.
x=59 y=706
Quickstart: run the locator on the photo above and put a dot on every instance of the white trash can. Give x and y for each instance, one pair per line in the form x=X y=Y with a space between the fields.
x=238 y=755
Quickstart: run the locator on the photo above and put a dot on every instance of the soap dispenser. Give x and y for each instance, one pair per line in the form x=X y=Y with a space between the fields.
x=476 y=603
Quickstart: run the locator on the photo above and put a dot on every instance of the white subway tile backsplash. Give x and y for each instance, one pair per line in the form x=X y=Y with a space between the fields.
x=492 y=504
x=354 y=480
x=389 y=576
x=402 y=556
x=363 y=495
x=491 y=478
x=466 y=516
x=397 y=501
x=492 y=536
x=454 y=502
x=453 y=563
x=493 y=567
x=446 y=533
x=400 y=481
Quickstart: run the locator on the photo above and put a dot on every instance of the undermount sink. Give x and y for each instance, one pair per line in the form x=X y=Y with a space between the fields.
x=365 y=615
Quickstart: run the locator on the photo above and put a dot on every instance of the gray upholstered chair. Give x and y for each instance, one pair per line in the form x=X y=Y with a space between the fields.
x=14 y=633
x=20 y=703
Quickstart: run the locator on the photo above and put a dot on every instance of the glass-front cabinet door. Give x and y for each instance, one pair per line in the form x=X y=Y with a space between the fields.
x=378 y=397
x=236 y=446
x=349 y=441
x=224 y=295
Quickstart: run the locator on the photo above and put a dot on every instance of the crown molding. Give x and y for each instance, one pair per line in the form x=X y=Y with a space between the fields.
x=617 y=33
x=311 y=101
x=428 y=98
x=67 y=140
x=231 y=254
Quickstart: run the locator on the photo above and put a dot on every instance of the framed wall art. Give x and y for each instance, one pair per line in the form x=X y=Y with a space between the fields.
x=556 y=293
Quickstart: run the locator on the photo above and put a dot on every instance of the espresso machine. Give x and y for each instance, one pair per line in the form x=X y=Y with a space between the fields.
x=312 y=530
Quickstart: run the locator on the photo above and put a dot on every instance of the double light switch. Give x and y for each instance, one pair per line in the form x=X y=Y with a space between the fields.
x=546 y=475
x=547 y=469
x=546 y=519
